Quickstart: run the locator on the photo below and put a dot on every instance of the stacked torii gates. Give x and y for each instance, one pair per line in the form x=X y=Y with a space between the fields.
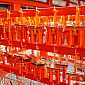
x=45 y=30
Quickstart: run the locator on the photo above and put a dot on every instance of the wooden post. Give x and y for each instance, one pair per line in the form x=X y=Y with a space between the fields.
x=79 y=2
x=1 y=22
x=39 y=36
x=58 y=37
x=50 y=2
x=77 y=18
x=55 y=16
x=69 y=79
x=36 y=18
x=84 y=40
x=32 y=36
x=64 y=74
x=23 y=33
x=68 y=2
x=58 y=76
x=9 y=25
x=50 y=37
x=75 y=61
x=70 y=38
x=4 y=30
x=54 y=57
x=50 y=75
x=63 y=22
x=81 y=37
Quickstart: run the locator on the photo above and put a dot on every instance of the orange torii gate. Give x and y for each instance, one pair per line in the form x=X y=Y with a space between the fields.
x=38 y=30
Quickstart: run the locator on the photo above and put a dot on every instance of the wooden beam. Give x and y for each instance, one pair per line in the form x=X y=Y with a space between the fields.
x=25 y=3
